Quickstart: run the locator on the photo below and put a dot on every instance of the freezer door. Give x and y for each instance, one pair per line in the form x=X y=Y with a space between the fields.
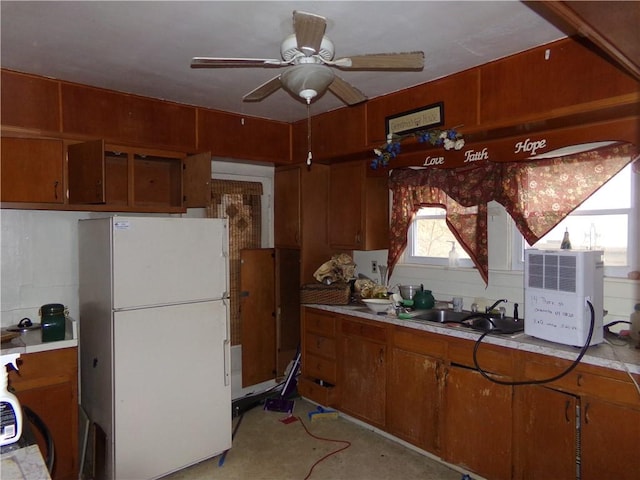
x=172 y=403
x=160 y=261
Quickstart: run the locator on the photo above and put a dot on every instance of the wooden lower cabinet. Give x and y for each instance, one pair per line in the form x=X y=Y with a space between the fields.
x=545 y=433
x=47 y=383
x=610 y=437
x=422 y=388
x=477 y=423
x=413 y=398
x=363 y=374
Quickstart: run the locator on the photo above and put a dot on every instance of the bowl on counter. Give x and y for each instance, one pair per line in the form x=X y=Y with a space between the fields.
x=378 y=305
x=408 y=291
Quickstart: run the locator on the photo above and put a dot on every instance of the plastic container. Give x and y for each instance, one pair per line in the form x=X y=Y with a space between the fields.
x=11 y=428
x=634 y=318
x=53 y=320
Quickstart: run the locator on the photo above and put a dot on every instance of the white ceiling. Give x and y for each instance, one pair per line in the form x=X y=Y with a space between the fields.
x=146 y=47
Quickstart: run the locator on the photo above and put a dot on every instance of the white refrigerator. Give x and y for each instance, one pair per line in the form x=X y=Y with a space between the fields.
x=154 y=341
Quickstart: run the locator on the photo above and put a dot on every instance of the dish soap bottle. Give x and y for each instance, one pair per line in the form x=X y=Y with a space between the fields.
x=453 y=255
x=10 y=410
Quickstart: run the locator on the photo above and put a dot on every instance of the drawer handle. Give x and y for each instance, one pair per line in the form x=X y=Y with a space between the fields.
x=566 y=411
x=55 y=189
x=579 y=380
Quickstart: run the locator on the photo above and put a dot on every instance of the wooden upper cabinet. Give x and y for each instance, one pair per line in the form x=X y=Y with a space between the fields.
x=242 y=137
x=333 y=134
x=358 y=207
x=196 y=180
x=32 y=170
x=458 y=93
x=287 y=213
x=87 y=166
x=556 y=79
x=29 y=102
x=129 y=119
x=125 y=179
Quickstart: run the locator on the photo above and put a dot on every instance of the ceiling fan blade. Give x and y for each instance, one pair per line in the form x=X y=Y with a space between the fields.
x=222 y=62
x=263 y=91
x=383 y=61
x=346 y=92
x=309 y=30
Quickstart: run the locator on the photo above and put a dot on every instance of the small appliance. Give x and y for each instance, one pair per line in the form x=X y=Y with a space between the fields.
x=558 y=285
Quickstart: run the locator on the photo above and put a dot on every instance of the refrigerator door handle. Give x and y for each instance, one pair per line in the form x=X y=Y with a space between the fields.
x=227 y=361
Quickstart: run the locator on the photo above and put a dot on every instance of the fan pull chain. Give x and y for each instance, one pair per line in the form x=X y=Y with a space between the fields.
x=309 y=156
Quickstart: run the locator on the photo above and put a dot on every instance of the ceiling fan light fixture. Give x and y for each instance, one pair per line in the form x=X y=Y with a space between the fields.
x=307 y=81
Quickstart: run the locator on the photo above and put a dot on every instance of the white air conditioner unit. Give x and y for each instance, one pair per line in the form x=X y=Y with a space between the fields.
x=557 y=286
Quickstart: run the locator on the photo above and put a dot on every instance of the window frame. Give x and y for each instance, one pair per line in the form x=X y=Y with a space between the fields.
x=408 y=256
x=633 y=231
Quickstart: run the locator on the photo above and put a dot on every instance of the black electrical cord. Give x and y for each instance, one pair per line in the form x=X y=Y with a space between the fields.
x=575 y=363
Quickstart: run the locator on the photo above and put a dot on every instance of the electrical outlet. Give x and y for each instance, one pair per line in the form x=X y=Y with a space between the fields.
x=374 y=266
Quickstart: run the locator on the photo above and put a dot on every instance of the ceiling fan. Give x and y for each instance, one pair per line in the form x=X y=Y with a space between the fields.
x=307 y=56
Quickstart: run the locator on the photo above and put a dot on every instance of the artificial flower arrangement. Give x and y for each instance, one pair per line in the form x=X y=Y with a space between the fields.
x=448 y=139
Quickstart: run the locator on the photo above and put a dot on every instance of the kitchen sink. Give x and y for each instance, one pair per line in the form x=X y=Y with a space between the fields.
x=496 y=324
x=443 y=316
x=478 y=321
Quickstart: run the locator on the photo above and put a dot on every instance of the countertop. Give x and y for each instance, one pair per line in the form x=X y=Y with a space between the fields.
x=31 y=341
x=614 y=353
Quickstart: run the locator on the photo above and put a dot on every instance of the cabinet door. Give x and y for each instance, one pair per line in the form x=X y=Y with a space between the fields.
x=413 y=399
x=287 y=207
x=545 y=433
x=358 y=207
x=87 y=171
x=197 y=180
x=346 y=200
x=363 y=373
x=257 y=315
x=477 y=423
x=32 y=170
x=607 y=427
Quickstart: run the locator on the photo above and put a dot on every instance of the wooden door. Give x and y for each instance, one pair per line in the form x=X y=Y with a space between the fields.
x=545 y=433
x=257 y=315
x=477 y=423
x=32 y=170
x=607 y=427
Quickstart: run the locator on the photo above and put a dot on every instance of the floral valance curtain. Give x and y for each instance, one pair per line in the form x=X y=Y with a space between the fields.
x=538 y=194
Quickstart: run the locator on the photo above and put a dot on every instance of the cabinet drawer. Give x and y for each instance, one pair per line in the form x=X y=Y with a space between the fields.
x=583 y=382
x=491 y=358
x=318 y=367
x=326 y=395
x=364 y=330
x=320 y=322
x=418 y=342
x=319 y=345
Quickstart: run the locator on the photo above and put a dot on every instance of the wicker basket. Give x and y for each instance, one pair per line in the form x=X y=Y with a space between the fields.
x=318 y=293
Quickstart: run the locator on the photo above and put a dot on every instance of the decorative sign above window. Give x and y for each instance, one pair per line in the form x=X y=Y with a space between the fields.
x=414 y=120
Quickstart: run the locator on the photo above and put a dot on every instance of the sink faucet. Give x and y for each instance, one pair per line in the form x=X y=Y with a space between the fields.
x=488 y=309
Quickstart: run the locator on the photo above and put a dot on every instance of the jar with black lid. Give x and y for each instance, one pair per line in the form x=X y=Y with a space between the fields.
x=53 y=320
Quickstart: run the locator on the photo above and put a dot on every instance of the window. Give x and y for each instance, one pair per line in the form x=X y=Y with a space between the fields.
x=608 y=221
x=429 y=240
